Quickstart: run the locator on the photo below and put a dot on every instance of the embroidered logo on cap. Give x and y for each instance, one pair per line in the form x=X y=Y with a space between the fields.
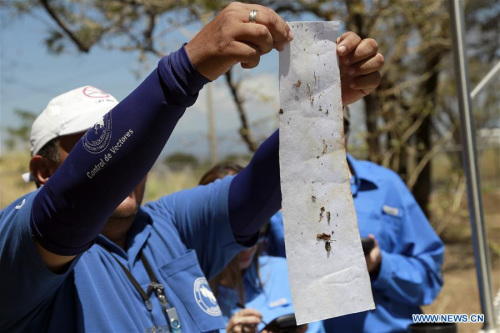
x=94 y=92
x=205 y=297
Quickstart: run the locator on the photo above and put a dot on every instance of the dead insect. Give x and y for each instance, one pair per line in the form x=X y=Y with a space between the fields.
x=325 y=146
x=323 y=236
x=321 y=214
x=328 y=216
x=280 y=111
x=328 y=246
x=320 y=109
x=313 y=198
x=326 y=112
x=311 y=98
x=297 y=84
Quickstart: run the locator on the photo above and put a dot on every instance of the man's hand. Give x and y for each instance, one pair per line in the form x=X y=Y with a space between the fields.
x=230 y=38
x=359 y=63
x=245 y=321
x=374 y=259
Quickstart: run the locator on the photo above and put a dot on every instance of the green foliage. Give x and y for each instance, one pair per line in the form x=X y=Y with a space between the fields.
x=55 y=42
x=19 y=136
x=180 y=158
x=240 y=159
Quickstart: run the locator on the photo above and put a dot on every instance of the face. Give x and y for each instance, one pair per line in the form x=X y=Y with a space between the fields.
x=130 y=205
x=245 y=257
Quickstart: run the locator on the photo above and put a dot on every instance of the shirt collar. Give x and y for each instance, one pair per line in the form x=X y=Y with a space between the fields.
x=361 y=179
x=136 y=238
x=251 y=275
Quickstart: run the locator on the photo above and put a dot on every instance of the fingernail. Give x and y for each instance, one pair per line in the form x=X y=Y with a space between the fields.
x=352 y=85
x=342 y=49
x=290 y=35
x=351 y=71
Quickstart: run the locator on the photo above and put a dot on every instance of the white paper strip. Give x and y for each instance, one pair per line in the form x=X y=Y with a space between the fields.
x=328 y=275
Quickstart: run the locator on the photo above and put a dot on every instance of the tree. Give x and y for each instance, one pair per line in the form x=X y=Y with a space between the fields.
x=181 y=159
x=21 y=134
x=408 y=118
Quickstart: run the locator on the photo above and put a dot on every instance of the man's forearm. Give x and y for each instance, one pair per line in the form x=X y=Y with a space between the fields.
x=112 y=158
x=255 y=193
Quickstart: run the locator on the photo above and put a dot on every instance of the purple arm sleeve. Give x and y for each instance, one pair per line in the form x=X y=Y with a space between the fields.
x=71 y=209
x=255 y=193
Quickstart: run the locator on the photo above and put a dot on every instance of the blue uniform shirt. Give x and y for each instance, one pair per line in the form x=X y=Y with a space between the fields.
x=185 y=237
x=272 y=301
x=412 y=253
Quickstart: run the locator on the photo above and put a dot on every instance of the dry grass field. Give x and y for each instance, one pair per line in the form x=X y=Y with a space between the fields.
x=448 y=206
x=460 y=291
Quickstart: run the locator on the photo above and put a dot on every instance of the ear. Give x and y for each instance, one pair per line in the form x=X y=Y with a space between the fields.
x=41 y=168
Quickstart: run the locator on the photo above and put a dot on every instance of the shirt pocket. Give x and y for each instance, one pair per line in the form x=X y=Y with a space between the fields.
x=383 y=226
x=392 y=218
x=189 y=284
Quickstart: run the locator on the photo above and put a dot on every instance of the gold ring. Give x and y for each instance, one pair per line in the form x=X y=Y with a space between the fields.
x=253 y=16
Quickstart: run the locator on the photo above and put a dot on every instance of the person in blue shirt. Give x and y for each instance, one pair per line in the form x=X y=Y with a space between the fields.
x=405 y=263
x=81 y=254
x=252 y=281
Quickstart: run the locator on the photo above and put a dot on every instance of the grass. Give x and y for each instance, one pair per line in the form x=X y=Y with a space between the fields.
x=450 y=218
x=449 y=209
x=12 y=186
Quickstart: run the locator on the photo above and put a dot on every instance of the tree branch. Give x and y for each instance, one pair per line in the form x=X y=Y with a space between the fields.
x=81 y=46
x=245 y=131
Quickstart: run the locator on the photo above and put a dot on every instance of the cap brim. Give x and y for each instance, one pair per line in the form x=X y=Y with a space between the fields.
x=82 y=122
x=28 y=177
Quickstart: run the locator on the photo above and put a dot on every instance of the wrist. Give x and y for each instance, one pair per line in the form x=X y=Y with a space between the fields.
x=182 y=80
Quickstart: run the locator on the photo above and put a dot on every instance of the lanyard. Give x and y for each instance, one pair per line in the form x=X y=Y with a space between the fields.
x=156 y=287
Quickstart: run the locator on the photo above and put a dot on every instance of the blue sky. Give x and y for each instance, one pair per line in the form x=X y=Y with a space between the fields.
x=30 y=76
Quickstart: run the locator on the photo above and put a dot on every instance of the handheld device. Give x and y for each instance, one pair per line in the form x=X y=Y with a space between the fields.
x=283 y=324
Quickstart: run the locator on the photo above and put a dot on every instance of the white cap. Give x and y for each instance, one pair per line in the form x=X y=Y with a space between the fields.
x=72 y=112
